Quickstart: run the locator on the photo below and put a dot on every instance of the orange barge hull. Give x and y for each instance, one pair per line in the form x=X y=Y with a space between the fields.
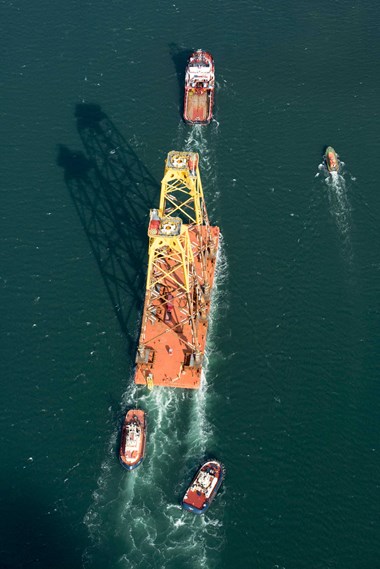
x=169 y=358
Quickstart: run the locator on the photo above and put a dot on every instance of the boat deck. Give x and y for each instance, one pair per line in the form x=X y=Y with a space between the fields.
x=197 y=106
x=195 y=499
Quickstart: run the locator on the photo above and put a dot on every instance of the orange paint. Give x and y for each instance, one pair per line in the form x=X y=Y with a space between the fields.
x=168 y=335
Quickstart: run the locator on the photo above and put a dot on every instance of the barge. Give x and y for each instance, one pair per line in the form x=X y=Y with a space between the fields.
x=182 y=256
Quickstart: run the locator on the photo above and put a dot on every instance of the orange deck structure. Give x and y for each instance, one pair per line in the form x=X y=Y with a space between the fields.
x=181 y=267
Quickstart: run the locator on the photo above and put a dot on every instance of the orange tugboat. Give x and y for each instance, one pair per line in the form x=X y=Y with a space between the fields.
x=204 y=487
x=199 y=88
x=133 y=438
x=331 y=160
x=181 y=266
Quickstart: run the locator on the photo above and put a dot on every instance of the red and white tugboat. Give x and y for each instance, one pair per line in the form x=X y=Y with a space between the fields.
x=204 y=487
x=133 y=438
x=199 y=88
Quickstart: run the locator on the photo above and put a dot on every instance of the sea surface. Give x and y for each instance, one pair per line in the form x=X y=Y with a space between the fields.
x=91 y=102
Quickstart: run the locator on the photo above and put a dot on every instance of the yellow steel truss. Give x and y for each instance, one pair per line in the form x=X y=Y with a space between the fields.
x=170 y=260
x=181 y=188
x=170 y=265
x=171 y=253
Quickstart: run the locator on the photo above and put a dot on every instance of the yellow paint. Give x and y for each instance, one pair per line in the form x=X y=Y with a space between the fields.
x=149 y=382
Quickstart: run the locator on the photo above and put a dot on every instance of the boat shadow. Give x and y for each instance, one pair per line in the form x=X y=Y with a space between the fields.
x=180 y=57
x=112 y=192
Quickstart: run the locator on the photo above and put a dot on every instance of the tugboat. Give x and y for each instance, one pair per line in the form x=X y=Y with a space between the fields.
x=204 y=487
x=133 y=438
x=331 y=160
x=199 y=88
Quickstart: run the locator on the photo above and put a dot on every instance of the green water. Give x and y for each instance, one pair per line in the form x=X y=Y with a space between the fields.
x=91 y=104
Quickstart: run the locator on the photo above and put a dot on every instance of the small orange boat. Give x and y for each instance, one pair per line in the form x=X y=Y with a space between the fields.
x=199 y=88
x=204 y=487
x=331 y=160
x=133 y=438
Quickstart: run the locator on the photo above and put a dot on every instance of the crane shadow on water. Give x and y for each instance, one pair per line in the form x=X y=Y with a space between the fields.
x=112 y=192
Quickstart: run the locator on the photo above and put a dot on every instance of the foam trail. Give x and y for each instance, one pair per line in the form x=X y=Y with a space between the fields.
x=130 y=506
x=194 y=140
x=200 y=433
x=103 y=495
x=339 y=206
x=197 y=141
